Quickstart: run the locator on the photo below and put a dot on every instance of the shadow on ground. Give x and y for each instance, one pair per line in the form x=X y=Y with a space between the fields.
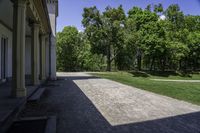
x=77 y=114
x=146 y=74
x=139 y=74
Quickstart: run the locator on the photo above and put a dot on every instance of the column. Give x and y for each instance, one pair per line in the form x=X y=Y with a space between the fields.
x=19 y=22
x=47 y=57
x=35 y=54
x=53 y=58
x=43 y=57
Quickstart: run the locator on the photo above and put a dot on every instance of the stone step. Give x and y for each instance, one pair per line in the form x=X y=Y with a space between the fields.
x=42 y=124
x=37 y=95
x=9 y=113
x=51 y=125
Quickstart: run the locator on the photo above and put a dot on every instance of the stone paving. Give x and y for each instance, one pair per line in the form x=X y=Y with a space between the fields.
x=87 y=104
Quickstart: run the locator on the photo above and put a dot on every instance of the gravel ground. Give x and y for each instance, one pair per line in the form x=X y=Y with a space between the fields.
x=85 y=104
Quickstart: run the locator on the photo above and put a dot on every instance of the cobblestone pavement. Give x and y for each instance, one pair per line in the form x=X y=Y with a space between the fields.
x=86 y=104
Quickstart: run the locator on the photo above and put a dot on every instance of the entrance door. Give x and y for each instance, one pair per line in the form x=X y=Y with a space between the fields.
x=3 y=58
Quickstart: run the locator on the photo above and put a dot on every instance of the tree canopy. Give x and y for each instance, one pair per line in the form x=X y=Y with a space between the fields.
x=153 y=38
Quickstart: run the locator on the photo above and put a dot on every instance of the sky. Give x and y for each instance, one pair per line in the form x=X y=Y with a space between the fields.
x=70 y=11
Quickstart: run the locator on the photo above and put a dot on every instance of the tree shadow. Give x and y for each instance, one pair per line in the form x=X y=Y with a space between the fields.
x=171 y=73
x=163 y=74
x=146 y=73
x=139 y=74
x=77 y=77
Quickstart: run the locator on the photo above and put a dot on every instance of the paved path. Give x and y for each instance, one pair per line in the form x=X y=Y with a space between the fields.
x=122 y=104
x=173 y=80
x=85 y=104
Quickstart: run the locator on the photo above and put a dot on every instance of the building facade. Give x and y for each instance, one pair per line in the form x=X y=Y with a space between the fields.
x=27 y=42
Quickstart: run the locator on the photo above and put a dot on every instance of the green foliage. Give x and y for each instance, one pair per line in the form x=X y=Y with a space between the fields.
x=105 y=31
x=150 y=38
x=68 y=43
x=74 y=52
x=175 y=16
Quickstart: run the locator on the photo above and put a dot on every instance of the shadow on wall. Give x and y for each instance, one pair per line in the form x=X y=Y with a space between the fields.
x=83 y=116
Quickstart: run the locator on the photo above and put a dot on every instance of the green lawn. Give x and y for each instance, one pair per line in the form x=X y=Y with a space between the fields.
x=184 y=91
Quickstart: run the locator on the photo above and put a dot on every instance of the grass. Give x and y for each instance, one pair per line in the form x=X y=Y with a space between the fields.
x=189 y=92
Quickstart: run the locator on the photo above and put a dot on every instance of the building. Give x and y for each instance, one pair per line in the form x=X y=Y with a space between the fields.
x=27 y=42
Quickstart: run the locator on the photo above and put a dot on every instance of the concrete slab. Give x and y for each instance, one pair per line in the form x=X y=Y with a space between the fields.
x=72 y=74
x=121 y=104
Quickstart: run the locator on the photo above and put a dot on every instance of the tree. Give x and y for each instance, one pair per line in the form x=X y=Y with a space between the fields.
x=94 y=29
x=68 y=43
x=175 y=16
x=114 y=19
x=192 y=23
x=194 y=46
x=137 y=19
x=104 y=31
x=144 y=40
x=87 y=60
x=158 y=8
x=154 y=43
x=177 y=35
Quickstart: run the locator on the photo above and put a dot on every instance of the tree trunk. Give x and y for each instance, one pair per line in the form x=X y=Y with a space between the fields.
x=139 y=62
x=162 y=64
x=109 y=58
x=139 y=59
x=180 y=66
x=194 y=64
x=185 y=66
x=152 y=63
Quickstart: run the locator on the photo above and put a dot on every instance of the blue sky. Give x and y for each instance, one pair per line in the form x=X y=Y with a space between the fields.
x=70 y=11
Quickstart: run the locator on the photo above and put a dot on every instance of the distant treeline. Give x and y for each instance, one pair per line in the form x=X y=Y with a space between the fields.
x=145 y=39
